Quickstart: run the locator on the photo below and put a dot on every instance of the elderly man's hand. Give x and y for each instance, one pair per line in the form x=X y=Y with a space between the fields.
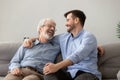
x=17 y=72
x=101 y=51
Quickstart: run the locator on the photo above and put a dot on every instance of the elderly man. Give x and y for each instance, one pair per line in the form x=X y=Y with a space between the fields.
x=28 y=63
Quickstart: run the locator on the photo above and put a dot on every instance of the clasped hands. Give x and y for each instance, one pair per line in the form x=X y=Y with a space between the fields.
x=50 y=68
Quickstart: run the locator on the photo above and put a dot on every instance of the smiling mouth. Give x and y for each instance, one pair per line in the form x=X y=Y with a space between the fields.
x=51 y=32
x=68 y=27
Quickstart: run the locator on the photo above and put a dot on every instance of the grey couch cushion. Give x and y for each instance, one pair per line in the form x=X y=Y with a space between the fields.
x=7 y=51
x=1 y=78
x=109 y=63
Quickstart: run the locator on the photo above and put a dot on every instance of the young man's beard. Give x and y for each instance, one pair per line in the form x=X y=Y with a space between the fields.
x=69 y=29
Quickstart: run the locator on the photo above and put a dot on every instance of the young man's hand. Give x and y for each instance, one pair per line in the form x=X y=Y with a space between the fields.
x=50 y=68
x=28 y=43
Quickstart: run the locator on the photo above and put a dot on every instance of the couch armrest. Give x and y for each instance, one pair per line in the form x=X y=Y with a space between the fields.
x=7 y=50
x=109 y=63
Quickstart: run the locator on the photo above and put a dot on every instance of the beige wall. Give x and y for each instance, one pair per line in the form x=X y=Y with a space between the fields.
x=19 y=18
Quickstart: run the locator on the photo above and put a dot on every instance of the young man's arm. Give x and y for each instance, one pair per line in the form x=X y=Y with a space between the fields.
x=29 y=43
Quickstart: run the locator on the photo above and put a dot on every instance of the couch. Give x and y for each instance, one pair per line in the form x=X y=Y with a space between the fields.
x=109 y=63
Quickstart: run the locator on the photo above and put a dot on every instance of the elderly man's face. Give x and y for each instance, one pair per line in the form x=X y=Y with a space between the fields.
x=48 y=30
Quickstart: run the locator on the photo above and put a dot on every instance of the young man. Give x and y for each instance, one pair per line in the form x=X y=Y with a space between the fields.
x=28 y=63
x=79 y=51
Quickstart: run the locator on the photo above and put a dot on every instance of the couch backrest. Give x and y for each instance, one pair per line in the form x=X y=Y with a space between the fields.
x=109 y=63
x=7 y=51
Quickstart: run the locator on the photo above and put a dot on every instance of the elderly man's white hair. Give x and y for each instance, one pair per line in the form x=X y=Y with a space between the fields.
x=42 y=23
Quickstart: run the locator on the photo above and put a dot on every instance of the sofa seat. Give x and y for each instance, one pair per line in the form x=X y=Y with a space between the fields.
x=109 y=63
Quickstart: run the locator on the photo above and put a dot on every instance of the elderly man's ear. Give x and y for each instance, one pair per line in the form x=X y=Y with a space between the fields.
x=101 y=51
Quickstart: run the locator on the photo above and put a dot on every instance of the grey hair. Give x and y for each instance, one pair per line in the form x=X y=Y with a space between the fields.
x=42 y=23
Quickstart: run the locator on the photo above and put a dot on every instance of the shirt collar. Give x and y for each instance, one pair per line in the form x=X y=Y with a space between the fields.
x=38 y=42
x=77 y=34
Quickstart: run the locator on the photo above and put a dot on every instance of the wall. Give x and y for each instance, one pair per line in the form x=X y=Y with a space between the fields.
x=19 y=18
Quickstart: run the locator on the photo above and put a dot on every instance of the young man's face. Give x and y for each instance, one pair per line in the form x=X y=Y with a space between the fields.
x=48 y=30
x=70 y=22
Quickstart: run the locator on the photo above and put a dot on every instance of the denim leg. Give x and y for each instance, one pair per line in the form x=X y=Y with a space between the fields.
x=86 y=76
x=50 y=77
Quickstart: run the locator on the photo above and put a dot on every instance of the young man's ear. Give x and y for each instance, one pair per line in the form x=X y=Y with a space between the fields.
x=76 y=20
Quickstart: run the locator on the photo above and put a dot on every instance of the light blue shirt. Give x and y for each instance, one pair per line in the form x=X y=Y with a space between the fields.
x=82 y=51
x=36 y=57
